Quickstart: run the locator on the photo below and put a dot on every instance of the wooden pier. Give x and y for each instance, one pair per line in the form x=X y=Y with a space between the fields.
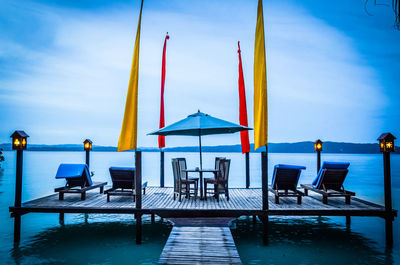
x=200 y=245
x=242 y=201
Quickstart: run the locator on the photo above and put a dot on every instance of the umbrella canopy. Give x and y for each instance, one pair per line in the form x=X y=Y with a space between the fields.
x=199 y=124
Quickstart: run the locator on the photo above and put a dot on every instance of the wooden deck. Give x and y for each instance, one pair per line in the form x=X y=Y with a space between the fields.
x=242 y=202
x=200 y=245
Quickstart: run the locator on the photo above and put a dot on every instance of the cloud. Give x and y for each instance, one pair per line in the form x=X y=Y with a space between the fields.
x=75 y=87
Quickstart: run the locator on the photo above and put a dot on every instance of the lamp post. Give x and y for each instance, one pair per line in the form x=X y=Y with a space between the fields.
x=87 y=146
x=19 y=143
x=318 y=149
x=386 y=146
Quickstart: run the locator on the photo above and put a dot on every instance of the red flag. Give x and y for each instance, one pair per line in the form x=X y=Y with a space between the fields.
x=161 y=139
x=244 y=135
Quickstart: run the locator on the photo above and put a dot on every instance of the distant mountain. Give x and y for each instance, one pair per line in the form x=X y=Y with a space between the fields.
x=299 y=147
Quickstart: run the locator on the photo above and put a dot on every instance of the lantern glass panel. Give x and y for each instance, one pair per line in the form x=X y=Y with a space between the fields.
x=389 y=146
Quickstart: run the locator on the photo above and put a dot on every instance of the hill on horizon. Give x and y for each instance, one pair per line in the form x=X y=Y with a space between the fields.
x=299 y=147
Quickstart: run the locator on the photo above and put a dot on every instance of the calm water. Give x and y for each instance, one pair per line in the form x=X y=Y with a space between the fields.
x=110 y=239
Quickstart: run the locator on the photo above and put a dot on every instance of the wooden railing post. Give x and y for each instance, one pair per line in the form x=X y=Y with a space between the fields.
x=162 y=169
x=138 y=191
x=247 y=170
x=318 y=161
x=18 y=179
x=264 y=183
x=87 y=158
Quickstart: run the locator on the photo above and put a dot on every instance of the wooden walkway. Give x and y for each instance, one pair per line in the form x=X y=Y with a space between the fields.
x=200 y=245
x=242 y=202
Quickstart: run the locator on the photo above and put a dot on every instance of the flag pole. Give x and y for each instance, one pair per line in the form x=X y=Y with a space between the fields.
x=161 y=138
x=244 y=135
x=261 y=111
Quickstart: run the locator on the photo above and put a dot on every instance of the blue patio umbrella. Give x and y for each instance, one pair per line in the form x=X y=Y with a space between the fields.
x=199 y=124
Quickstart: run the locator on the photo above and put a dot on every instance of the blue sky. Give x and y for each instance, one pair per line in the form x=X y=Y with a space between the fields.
x=64 y=68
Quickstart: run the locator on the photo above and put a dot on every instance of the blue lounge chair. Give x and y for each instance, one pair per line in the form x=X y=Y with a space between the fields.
x=78 y=180
x=123 y=179
x=329 y=182
x=285 y=179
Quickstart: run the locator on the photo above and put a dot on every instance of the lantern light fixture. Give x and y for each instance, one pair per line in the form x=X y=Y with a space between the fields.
x=87 y=145
x=19 y=140
x=318 y=145
x=386 y=143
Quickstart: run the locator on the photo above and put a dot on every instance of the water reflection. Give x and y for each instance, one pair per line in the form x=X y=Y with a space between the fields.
x=1 y=178
x=292 y=241
x=94 y=243
x=306 y=241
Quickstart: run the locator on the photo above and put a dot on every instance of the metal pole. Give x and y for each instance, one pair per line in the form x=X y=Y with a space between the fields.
x=247 y=170
x=201 y=160
x=388 y=200
x=162 y=169
x=87 y=157
x=318 y=161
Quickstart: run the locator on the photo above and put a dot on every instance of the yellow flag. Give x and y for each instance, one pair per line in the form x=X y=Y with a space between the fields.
x=260 y=84
x=128 y=136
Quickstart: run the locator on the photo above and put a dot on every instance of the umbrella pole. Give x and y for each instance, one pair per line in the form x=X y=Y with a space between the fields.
x=201 y=160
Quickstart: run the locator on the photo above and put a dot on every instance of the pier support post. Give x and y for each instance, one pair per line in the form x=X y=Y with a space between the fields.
x=18 y=195
x=264 y=183
x=138 y=228
x=17 y=229
x=388 y=199
x=61 y=218
x=264 y=220
x=348 y=221
x=138 y=188
x=386 y=146
x=162 y=177
x=247 y=170
x=86 y=218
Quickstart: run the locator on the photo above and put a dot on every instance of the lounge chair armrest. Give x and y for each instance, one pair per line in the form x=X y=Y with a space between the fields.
x=59 y=189
x=351 y=193
x=307 y=186
x=109 y=190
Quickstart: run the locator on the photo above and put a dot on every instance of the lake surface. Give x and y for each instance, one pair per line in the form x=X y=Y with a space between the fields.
x=110 y=239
